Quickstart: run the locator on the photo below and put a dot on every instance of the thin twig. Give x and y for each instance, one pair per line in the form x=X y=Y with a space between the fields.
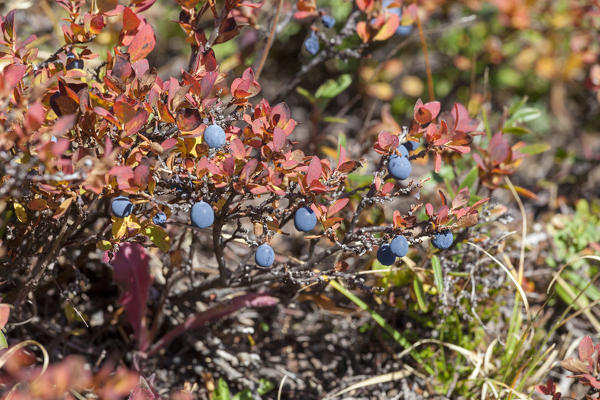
x=269 y=40
x=426 y=56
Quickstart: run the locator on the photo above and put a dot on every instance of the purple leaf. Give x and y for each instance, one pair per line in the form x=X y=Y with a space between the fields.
x=132 y=274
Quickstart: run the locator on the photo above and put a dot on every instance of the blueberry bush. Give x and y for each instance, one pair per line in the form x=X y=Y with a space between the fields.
x=235 y=200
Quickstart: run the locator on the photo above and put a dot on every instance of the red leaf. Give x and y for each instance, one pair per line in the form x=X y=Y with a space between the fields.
x=429 y=210
x=34 y=117
x=438 y=162
x=4 y=314
x=388 y=28
x=11 y=75
x=215 y=313
x=278 y=139
x=188 y=119
x=132 y=274
x=142 y=44
x=499 y=148
x=169 y=143
x=461 y=198
x=586 y=349
x=365 y=5
x=314 y=171
x=549 y=388
x=338 y=205
x=141 y=173
x=130 y=20
x=237 y=149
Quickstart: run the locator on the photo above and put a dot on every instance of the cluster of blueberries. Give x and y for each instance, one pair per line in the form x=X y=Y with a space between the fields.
x=203 y=216
x=311 y=44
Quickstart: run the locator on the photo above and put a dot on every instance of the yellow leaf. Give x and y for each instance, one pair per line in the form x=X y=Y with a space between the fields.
x=119 y=228
x=329 y=152
x=159 y=237
x=104 y=245
x=21 y=213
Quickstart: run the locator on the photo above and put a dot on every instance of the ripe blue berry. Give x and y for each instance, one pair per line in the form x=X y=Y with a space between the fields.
x=202 y=215
x=160 y=218
x=264 y=255
x=411 y=145
x=121 y=207
x=214 y=136
x=399 y=246
x=404 y=30
x=393 y=10
x=311 y=44
x=385 y=255
x=443 y=239
x=399 y=167
x=402 y=150
x=305 y=219
x=328 y=21
x=75 y=64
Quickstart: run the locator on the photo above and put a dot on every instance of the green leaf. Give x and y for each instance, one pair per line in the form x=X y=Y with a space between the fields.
x=3 y=342
x=264 y=386
x=420 y=293
x=335 y=120
x=222 y=392
x=360 y=179
x=516 y=130
x=306 y=94
x=243 y=395
x=517 y=105
x=159 y=237
x=525 y=115
x=470 y=179
x=331 y=88
x=437 y=274
x=535 y=148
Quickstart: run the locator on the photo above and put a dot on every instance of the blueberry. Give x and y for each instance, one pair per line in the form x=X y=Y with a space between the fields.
x=402 y=150
x=160 y=218
x=121 y=207
x=328 y=21
x=75 y=64
x=399 y=246
x=394 y=10
x=264 y=255
x=385 y=255
x=443 y=239
x=214 y=136
x=305 y=219
x=411 y=145
x=202 y=215
x=404 y=30
x=399 y=167
x=312 y=43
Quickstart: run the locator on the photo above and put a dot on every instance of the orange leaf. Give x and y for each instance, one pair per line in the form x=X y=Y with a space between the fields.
x=142 y=44
x=337 y=206
x=388 y=28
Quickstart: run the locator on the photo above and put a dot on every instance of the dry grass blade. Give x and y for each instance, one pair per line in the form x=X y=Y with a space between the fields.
x=10 y=352
x=281 y=387
x=389 y=377
x=471 y=356
x=553 y=281
x=581 y=302
x=524 y=228
x=511 y=277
